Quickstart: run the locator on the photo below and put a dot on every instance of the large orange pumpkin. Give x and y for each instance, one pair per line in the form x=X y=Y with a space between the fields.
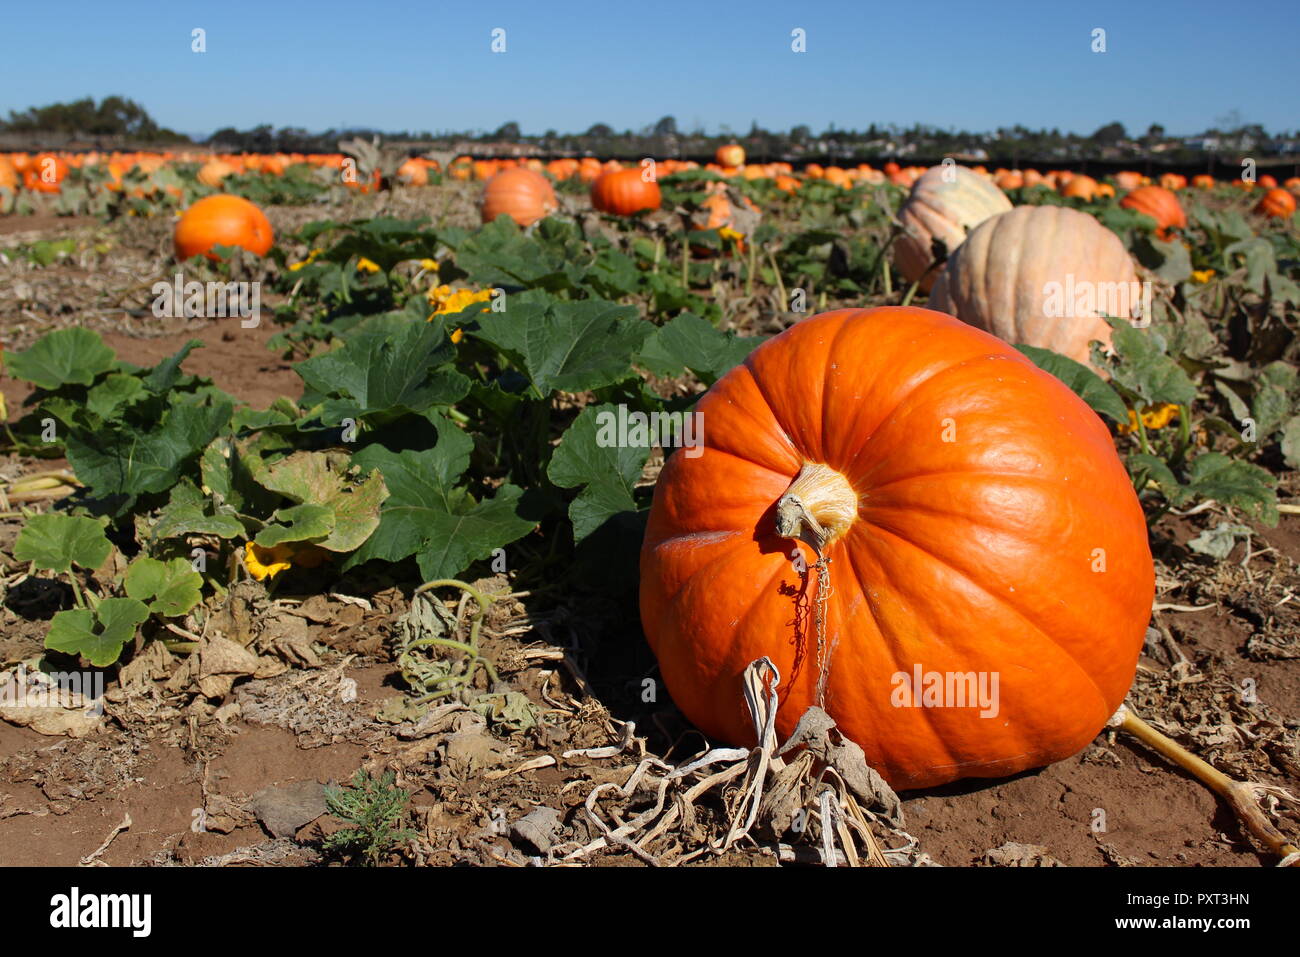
x=1160 y=204
x=624 y=192
x=976 y=520
x=1043 y=276
x=522 y=194
x=946 y=203
x=222 y=220
x=1276 y=204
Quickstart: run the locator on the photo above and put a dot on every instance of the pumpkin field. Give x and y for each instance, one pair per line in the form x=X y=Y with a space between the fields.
x=396 y=506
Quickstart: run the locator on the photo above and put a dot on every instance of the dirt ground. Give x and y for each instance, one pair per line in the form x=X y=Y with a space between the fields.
x=226 y=782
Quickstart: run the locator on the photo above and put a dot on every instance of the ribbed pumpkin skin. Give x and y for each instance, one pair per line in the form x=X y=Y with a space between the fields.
x=1276 y=204
x=624 y=192
x=1160 y=204
x=522 y=194
x=997 y=280
x=971 y=555
x=222 y=220
x=937 y=209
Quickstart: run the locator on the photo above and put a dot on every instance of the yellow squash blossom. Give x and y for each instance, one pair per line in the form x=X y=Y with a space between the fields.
x=445 y=300
x=311 y=258
x=365 y=265
x=1153 y=417
x=263 y=563
x=1203 y=276
x=726 y=232
x=429 y=265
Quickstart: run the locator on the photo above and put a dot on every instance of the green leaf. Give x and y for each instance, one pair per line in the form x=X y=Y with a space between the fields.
x=689 y=342
x=119 y=463
x=1168 y=260
x=567 y=346
x=1236 y=483
x=190 y=512
x=63 y=357
x=170 y=589
x=1291 y=442
x=300 y=523
x=1081 y=380
x=1143 y=368
x=428 y=516
x=319 y=479
x=385 y=370
x=110 y=397
x=56 y=542
x=1139 y=463
x=99 y=635
x=164 y=376
x=590 y=456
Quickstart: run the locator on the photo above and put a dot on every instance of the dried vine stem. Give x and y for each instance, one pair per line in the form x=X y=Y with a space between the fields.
x=1242 y=796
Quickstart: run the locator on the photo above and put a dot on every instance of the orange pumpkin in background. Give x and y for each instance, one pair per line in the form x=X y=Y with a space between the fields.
x=522 y=194
x=1277 y=203
x=624 y=192
x=733 y=154
x=947 y=555
x=222 y=220
x=214 y=171
x=1127 y=179
x=1081 y=187
x=1173 y=181
x=413 y=172
x=1203 y=181
x=1160 y=204
x=1267 y=182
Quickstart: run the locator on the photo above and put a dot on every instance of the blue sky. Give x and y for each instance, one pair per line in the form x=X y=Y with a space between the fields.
x=429 y=65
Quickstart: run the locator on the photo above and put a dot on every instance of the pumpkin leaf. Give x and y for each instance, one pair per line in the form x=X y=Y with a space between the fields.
x=385 y=369
x=119 y=463
x=1081 y=380
x=73 y=356
x=1291 y=442
x=1142 y=367
x=591 y=457
x=339 y=512
x=190 y=512
x=566 y=346
x=55 y=542
x=300 y=523
x=1168 y=260
x=98 y=635
x=690 y=342
x=170 y=589
x=427 y=516
x=1236 y=483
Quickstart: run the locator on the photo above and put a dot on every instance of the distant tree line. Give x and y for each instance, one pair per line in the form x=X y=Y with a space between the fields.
x=120 y=117
x=113 y=116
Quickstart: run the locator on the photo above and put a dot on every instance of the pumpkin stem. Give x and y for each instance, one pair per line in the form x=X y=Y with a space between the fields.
x=1242 y=796
x=819 y=507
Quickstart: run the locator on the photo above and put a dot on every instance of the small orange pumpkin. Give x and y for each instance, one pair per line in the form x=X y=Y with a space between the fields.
x=733 y=154
x=522 y=194
x=1276 y=204
x=1160 y=204
x=624 y=192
